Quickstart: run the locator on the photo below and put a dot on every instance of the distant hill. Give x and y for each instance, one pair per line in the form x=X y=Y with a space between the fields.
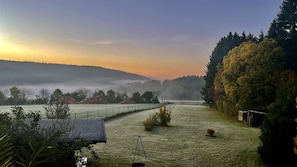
x=68 y=78
x=13 y=73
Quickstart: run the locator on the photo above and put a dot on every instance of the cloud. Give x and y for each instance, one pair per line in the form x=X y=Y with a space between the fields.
x=101 y=42
x=93 y=42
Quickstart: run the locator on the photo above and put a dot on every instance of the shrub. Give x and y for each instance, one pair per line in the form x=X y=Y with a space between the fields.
x=150 y=122
x=164 y=116
x=57 y=111
x=210 y=132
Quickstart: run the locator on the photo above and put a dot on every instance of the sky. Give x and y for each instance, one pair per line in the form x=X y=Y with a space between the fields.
x=160 y=39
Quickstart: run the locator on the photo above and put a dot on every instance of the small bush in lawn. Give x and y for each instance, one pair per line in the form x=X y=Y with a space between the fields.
x=210 y=132
x=164 y=116
x=150 y=122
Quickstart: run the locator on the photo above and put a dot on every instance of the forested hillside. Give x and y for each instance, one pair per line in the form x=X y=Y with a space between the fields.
x=33 y=77
x=28 y=73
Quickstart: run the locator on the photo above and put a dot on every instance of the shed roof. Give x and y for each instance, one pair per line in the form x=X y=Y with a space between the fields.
x=258 y=112
x=91 y=130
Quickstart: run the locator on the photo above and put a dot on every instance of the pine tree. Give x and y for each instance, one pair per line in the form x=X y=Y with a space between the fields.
x=279 y=128
x=284 y=29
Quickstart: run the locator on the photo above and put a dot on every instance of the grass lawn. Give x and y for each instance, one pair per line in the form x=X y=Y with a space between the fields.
x=183 y=143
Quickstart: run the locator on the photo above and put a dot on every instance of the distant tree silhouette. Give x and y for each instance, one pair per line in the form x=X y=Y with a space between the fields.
x=148 y=96
x=56 y=95
x=111 y=96
x=137 y=97
x=284 y=29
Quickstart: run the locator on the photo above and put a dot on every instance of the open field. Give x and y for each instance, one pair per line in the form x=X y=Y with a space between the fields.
x=183 y=143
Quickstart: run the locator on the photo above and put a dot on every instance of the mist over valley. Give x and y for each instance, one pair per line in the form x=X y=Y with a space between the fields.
x=32 y=77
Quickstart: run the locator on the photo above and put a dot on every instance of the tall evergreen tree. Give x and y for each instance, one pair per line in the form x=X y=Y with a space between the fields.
x=279 y=128
x=284 y=29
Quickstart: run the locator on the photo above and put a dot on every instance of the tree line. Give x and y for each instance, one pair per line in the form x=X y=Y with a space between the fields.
x=246 y=72
x=182 y=88
x=19 y=96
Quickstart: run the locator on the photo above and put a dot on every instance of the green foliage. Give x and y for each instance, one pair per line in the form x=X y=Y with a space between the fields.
x=55 y=96
x=248 y=77
x=111 y=96
x=39 y=152
x=6 y=149
x=30 y=147
x=43 y=97
x=121 y=96
x=17 y=97
x=279 y=128
x=284 y=29
x=4 y=123
x=57 y=111
x=22 y=126
x=224 y=45
x=181 y=88
x=137 y=97
x=99 y=93
x=148 y=96
x=2 y=98
x=80 y=94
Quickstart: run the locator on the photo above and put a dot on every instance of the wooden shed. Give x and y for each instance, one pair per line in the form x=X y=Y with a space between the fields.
x=242 y=116
x=251 y=117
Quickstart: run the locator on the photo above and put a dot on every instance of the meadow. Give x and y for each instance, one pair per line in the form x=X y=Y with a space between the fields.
x=183 y=143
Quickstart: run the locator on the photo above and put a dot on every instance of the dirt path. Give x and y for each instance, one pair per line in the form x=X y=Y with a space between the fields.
x=183 y=143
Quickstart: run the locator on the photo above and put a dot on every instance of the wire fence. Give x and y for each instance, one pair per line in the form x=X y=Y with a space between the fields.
x=111 y=111
x=89 y=111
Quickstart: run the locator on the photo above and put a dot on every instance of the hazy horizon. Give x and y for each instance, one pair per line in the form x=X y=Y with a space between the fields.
x=157 y=39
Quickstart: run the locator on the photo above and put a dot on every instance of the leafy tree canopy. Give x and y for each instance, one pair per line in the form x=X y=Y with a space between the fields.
x=224 y=45
x=249 y=75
